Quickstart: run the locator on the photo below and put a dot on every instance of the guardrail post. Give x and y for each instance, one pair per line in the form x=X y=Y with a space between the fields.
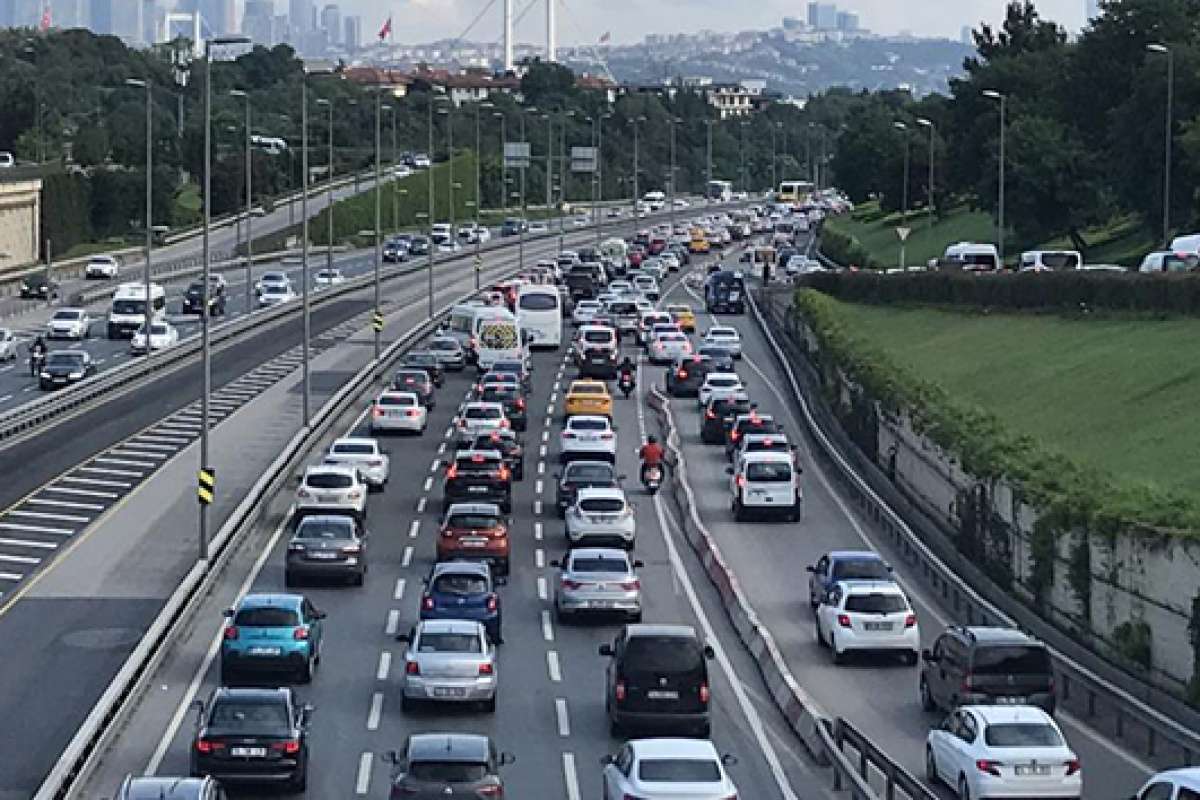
x=1150 y=741
x=863 y=763
x=1091 y=703
x=1120 y=723
x=890 y=787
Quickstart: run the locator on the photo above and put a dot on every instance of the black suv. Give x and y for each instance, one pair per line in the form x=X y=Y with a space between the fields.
x=686 y=374
x=447 y=765
x=509 y=446
x=418 y=382
x=257 y=736
x=578 y=475
x=657 y=679
x=479 y=476
x=193 y=298
x=985 y=666
x=718 y=418
x=39 y=287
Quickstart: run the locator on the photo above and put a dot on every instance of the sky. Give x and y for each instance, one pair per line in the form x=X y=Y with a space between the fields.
x=628 y=21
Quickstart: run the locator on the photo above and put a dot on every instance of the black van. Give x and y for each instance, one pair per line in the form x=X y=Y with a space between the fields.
x=986 y=666
x=657 y=679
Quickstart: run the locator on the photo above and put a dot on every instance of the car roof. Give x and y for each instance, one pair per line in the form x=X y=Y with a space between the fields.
x=658 y=629
x=450 y=626
x=579 y=464
x=473 y=508
x=999 y=714
x=486 y=404
x=327 y=519
x=732 y=375
x=469 y=453
x=448 y=747
x=256 y=693
x=147 y=787
x=767 y=456
x=762 y=437
x=674 y=748
x=999 y=635
x=1188 y=777
x=271 y=600
x=588 y=382
x=591 y=492
x=397 y=393
x=723 y=329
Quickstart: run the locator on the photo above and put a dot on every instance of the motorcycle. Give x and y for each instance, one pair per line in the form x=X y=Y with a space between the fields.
x=37 y=360
x=652 y=478
x=626 y=384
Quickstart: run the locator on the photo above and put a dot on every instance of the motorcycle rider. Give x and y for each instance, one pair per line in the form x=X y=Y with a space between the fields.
x=651 y=454
x=625 y=373
x=37 y=354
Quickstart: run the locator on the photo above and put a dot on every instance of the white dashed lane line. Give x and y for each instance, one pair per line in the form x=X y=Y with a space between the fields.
x=552 y=666
x=414 y=528
x=407 y=558
x=393 y=622
x=547 y=627
x=563 y=717
x=362 y=784
x=385 y=666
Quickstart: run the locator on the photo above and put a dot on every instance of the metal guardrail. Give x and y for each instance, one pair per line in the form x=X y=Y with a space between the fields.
x=1132 y=721
x=895 y=777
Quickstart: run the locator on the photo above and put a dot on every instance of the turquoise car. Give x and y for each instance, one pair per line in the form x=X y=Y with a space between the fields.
x=269 y=634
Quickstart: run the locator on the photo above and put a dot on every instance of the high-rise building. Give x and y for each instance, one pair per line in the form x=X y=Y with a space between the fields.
x=258 y=22
x=352 y=40
x=847 y=21
x=300 y=15
x=331 y=23
x=822 y=16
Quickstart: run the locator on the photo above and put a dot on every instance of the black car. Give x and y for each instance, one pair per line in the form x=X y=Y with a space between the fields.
x=64 y=367
x=419 y=246
x=685 y=376
x=511 y=397
x=478 y=476
x=395 y=252
x=578 y=475
x=657 y=680
x=720 y=359
x=39 y=287
x=984 y=666
x=752 y=422
x=522 y=370
x=424 y=359
x=332 y=546
x=725 y=292
x=193 y=298
x=253 y=736
x=147 y=787
x=509 y=446
x=447 y=765
x=718 y=417
x=418 y=382
x=580 y=285
x=513 y=227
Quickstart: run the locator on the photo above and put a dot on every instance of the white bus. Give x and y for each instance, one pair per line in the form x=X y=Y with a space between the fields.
x=794 y=193
x=539 y=315
x=720 y=191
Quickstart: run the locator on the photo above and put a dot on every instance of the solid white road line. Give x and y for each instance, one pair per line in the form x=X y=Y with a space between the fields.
x=16 y=512
x=552 y=666
x=564 y=720
x=16 y=526
x=80 y=492
x=27 y=543
x=570 y=777
x=385 y=665
x=362 y=783
x=547 y=628
x=406 y=559
x=38 y=501
x=393 y=622
x=376 y=711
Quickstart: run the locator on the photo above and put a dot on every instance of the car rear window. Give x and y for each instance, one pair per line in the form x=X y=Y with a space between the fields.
x=598 y=337
x=623 y=308
x=590 y=472
x=412 y=378
x=484 y=412
x=768 y=472
x=538 y=301
x=877 y=603
x=449 y=643
x=678 y=770
x=447 y=771
x=443 y=344
x=723 y=383
x=356 y=449
x=316 y=528
x=266 y=618
x=588 y=424
x=327 y=480
x=472 y=521
x=602 y=505
x=397 y=400
x=1011 y=660
x=1022 y=734
x=477 y=461
x=590 y=564
x=587 y=388
x=662 y=654
x=247 y=717
x=859 y=568
x=460 y=584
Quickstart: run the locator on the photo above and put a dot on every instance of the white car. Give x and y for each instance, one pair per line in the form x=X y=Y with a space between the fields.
x=480 y=417
x=585 y=311
x=647 y=285
x=601 y=517
x=590 y=437
x=272 y=278
x=328 y=277
x=365 y=454
x=681 y=203
x=69 y=323
x=398 y=411
x=1173 y=784
x=667 y=346
x=726 y=337
x=449 y=246
x=274 y=294
x=8 y=345
x=621 y=287
x=102 y=266
x=653 y=267
x=163 y=335
x=537 y=226
x=581 y=221
x=802 y=265
x=332 y=488
x=720 y=384
x=648 y=321
x=868 y=617
x=1003 y=751
x=668 y=769
x=670 y=261
x=765 y=483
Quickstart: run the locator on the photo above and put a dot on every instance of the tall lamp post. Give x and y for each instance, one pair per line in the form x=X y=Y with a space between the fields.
x=148 y=307
x=395 y=182
x=249 y=196
x=903 y=128
x=379 y=109
x=600 y=174
x=708 y=126
x=674 y=123
x=205 y=341
x=1163 y=49
x=636 y=168
x=549 y=161
x=992 y=94
x=478 y=190
x=774 y=176
x=742 y=155
x=323 y=103
x=926 y=123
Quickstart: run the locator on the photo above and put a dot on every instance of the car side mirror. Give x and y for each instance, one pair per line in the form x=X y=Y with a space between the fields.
x=729 y=759
x=227 y=613
x=506 y=759
x=605 y=760
x=554 y=562
x=621 y=477
x=404 y=637
x=500 y=580
x=606 y=650
x=198 y=706
x=928 y=656
x=811 y=568
x=391 y=757
x=638 y=564
x=709 y=653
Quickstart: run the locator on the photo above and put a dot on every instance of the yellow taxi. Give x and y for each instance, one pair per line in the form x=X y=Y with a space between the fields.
x=683 y=316
x=698 y=242
x=588 y=397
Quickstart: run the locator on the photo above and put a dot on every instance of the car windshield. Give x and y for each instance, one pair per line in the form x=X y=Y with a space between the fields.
x=866 y=568
x=68 y=315
x=670 y=336
x=411 y=378
x=877 y=603
x=472 y=520
x=449 y=643
x=328 y=480
x=679 y=770
x=127 y=306
x=598 y=564
x=768 y=472
x=602 y=505
x=241 y=716
x=274 y=289
x=447 y=771
x=460 y=584
x=498 y=393
x=577 y=424
x=326 y=529
x=719 y=333
x=1022 y=734
x=64 y=360
x=397 y=400
x=598 y=337
x=354 y=448
x=266 y=617
x=1011 y=660
x=662 y=654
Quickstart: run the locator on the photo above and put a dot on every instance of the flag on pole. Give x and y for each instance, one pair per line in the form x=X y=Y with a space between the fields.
x=386 y=29
x=46 y=17
x=606 y=37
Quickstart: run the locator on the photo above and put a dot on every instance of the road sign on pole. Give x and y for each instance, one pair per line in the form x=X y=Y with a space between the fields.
x=583 y=159
x=903 y=232
x=207 y=485
x=516 y=155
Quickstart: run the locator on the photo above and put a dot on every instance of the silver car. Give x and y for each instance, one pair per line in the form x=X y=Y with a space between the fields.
x=667 y=346
x=325 y=547
x=364 y=453
x=332 y=489
x=601 y=516
x=398 y=411
x=480 y=417
x=449 y=353
x=449 y=660
x=598 y=580
x=725 y=336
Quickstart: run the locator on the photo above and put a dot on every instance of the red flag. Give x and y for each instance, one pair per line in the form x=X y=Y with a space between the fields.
x=606 y=37
x=386 y=30
x=46 y=17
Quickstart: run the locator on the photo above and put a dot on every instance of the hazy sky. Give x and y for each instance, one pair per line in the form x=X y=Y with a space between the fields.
x=630 y=20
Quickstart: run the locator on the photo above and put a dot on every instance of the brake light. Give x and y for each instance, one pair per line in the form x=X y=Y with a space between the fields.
x=504 y=423
x=477 y=458
x=606 y=436
x=734 y=435
x=910 y=620
x=207 y=746
x=966 y=683
x=452 y=472
x=740 y=480
x=412 y=412
x=427 y=603
x=632 y=585
x=290 y=746
x=448 y=533
x=988 y=766
x=521 y=403
x=485 y=669
x=567 y=583
x=492 y=602
x=681 y=374
x=708 y=414
x=231 y=632
x=704 y=693
x=619 y=691
x=502 y=473
x=498 y=533
x=844 y=620
x=354 y=495
x=1073 y=766
x=351 y=550
x=412 y=668
x=377 y=412
x=300 y=634
x=490 y=791
x=568 y=435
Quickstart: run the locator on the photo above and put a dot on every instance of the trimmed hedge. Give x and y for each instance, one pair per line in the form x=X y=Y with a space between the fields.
x=844 y=249
x=1068 y=495
x=1022 y=291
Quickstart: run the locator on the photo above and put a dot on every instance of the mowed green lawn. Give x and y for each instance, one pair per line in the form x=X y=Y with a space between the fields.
x=1121 y=395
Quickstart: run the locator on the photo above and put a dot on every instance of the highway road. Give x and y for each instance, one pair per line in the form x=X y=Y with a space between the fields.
x=550 y=711
x=877 y=695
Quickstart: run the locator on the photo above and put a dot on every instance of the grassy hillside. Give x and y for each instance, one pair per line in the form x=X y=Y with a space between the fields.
x=1116 y=394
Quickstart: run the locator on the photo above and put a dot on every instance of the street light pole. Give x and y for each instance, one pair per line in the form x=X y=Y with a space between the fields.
x=321 y=101
x=708 y=123
x=148 y=307
x=549 y=161
x=636 y=169
x=379 y=107
x=903 y=128
x=774 y=176
x=674 y=122
x=926 y=123
x=395 y=183
x=1003 y=99
x=600 y=175
x=1160 y=48
x=524 y=210
x=742 y=156
x=249 y=196
x=432 y=248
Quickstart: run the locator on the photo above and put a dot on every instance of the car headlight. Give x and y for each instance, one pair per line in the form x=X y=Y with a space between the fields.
x=75 y=375
x=45 y=375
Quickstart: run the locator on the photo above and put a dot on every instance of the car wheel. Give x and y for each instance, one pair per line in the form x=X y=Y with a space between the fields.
x=563 y=617
x=490 y=705
x=360 y=578
x=289 y=580
x=615 y=729
x=820 y=635
x=964 y=791
x=739 y=511
x=927 y=701
x=931 y=775
x=838 y=656
x=227 y=675
x=911 y=658
x=299 y=781
x=305 y=673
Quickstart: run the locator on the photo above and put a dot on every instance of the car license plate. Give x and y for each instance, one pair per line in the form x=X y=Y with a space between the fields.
x=1032 y=769
x=477 y=488
x=877 y=626
x=449 y=691
x=248 y=752
x=474 y=542
x=1014 y=700
x=601 y=604
x=265 y=651
x=658 y=694
x=323 y=555
x=734 y=295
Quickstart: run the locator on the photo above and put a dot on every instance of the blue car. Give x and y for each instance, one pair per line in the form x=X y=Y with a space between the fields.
x=844 y=565
x=271 y=634
x=463 y=590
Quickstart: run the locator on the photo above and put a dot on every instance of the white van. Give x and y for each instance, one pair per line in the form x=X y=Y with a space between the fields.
x=765 y=482
x=1050 y=260
x=1188 y=243
x=1169 y=261
x=128 y=309
x=499 y=339
x=656 y=200
x=973 y=257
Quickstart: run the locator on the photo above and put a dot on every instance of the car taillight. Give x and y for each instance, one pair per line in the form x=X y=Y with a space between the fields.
x=521 y=403
x=568 y=435
x=296 y=547
x=910 y=620
x=632 y=585
x=681 y=374
x=290 y=746
x=490 y=791
x=354 y=495
x=427 y=603
x=485 y=669
x=207 y=746
x=989 y=766
x=567 y=583
x=1073 y=766
x=503 y=473
x=619 y=691
x=231 y=632
x=498 y=533
x=303 y=493
x=844 y=620
x=504 y=423
x=412 y=412
x=377 y=412
x=492 y=603
x=734 y=435
x=299 y=634
x=412 y=668
x=377 y=462
x=704 y=693
x=606 y=436
x=452 y=472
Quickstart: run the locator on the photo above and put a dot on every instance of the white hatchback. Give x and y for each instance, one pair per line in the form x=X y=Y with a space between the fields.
x=667 y=769
x=667 y=346
x=869 y=617
x=365 y=454
x=601 y=516
x=69 y=323
x=587 y=436
x=163 y=336
x=480 y=417
x=720 y=384
x=332 y=489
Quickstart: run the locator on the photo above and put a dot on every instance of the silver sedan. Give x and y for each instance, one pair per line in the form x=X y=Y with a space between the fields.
x=372 y=461
x=598 y=580
x=449 y=660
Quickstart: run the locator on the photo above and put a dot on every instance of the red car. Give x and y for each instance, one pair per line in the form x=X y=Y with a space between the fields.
x=475 y=532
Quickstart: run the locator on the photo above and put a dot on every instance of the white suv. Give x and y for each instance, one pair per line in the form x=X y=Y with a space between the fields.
x=765 y=483
x=868 y=616
x=101 y=266
x=332 y=489
x=590 y=437
x=480 y=417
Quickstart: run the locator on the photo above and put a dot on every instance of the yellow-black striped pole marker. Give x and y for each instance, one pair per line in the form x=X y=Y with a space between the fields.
x=377 y=322
x=207 y=486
